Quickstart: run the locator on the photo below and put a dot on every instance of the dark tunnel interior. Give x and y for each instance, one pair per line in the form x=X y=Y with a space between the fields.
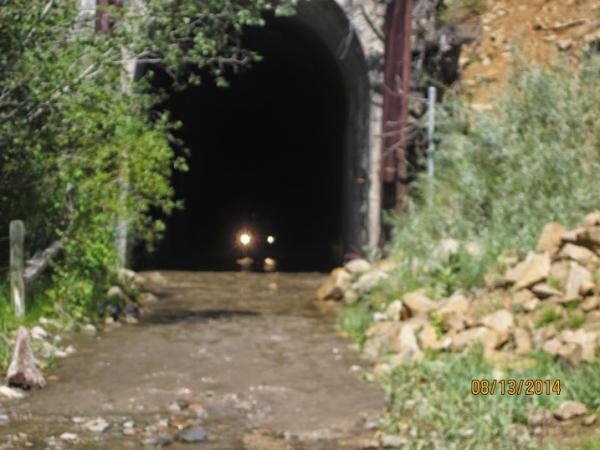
x=266 y=155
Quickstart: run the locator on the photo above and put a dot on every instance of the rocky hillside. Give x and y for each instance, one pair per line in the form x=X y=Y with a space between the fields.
x=549 y=300
x=541 y=31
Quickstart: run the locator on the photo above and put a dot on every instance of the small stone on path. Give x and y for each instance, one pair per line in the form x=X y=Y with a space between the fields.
x=11 y=393
x=71 y=437
x=192 y=435
x=98 y=425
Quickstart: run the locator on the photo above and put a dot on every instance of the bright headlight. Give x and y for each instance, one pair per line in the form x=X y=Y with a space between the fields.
x=270 y=239
x=245 y=239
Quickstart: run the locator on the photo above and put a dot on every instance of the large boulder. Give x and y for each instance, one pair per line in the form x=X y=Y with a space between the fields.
x=534 y=269
x=333 y=288
x=23 y=371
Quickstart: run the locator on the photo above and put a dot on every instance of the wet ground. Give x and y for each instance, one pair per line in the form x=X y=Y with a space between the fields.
x=247 y=358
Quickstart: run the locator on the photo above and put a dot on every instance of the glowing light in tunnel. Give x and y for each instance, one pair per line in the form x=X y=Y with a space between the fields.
x=245 y=239
x=270 y=239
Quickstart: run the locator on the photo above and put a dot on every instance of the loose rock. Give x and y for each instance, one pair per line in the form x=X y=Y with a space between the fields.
x=534 y=269
x=38 y=333
x=69 y=437
x=193 y=435
x=592 y=219
x=569 y=410
x=550 y=238
x=578 y=275
x=98 y=425
x=522 y=341
x=10 y=393
x=418 y=303
x=580 y=254
x=500 y=321
x=335 y=285
x=23 y=371
x=358 y=266
x=543 y=290
x=590 y=420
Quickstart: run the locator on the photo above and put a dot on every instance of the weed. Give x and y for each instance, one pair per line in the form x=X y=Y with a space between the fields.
x=432 y=398
x=554 y=283
x=549 y=315
x=576 y=320
x=355 y=320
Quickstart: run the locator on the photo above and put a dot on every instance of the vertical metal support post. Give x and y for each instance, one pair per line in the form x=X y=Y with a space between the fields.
x=17 y=263
x=398 y=32
x=431 y=100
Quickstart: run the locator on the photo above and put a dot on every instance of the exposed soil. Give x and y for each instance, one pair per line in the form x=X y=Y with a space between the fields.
x=540 y=31
x=249 y=357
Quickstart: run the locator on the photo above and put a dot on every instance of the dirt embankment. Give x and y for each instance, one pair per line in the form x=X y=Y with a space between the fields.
x=544 y=32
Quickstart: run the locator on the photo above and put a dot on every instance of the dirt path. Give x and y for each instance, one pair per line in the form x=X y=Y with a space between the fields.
x=246 y=357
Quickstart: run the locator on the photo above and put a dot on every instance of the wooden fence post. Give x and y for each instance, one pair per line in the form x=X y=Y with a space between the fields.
x=17 y=284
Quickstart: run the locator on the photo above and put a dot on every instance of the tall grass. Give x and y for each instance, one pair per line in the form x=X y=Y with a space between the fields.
x=431 y=401
x=502 y=175
x=38 y=305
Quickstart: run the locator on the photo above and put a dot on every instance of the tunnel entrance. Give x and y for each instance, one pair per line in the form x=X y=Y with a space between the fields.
x=270 y=155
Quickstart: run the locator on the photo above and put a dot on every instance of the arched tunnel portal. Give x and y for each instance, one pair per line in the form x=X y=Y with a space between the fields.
x=283 y=151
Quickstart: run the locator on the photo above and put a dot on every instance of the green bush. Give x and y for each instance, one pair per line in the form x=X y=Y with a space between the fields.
x=502 y=175
x=81 y=145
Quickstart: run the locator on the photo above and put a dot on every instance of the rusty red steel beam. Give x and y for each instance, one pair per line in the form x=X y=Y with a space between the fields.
x=396 y=85
x=103 y=21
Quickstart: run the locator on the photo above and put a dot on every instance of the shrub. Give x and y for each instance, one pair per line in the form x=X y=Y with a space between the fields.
x=502 y=175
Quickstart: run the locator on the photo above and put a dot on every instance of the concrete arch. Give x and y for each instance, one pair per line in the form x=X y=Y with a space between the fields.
x=350 y=50
x=327 y=21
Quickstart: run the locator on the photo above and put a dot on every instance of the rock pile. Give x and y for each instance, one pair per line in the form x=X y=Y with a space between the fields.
x=550 y=300
x=348 y=282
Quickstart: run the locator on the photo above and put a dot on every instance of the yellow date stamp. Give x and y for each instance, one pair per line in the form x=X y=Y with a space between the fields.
x=513 y=386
